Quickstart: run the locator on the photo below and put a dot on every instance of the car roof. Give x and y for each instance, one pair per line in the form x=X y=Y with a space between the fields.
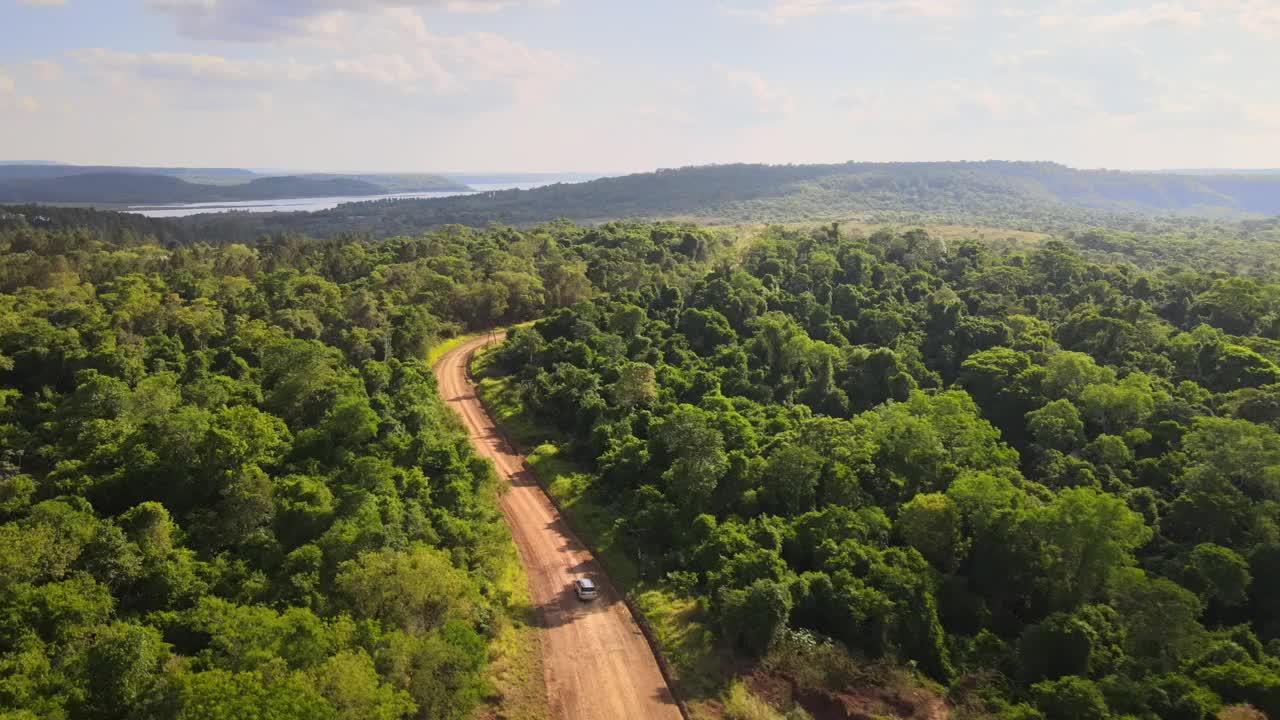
x=586 y=582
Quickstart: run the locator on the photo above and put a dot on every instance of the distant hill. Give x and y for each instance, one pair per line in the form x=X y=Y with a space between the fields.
x=158 y=186
x=40 y=171
x=1055 y=196
x=112 y=188
x=520 y=178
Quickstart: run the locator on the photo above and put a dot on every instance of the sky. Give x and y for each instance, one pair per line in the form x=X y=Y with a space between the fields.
x=626 y=85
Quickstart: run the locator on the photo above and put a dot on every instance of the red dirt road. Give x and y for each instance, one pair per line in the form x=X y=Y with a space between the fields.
x=597 y=663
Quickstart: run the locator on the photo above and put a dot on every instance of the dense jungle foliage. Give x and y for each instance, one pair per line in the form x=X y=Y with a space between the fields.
x=1049 y=482
x=227 y=486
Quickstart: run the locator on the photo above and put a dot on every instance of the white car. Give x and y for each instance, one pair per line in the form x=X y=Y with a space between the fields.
x=585 y=589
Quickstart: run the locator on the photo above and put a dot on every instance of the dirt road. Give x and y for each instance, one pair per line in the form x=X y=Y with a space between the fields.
x=597 y=663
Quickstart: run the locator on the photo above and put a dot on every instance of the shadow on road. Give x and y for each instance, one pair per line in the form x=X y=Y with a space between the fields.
x=565 y=608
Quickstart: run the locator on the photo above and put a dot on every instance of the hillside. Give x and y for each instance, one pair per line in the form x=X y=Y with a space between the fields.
x=1055 y=196
x=129 y=189
x=37 y=171
x=126 y=186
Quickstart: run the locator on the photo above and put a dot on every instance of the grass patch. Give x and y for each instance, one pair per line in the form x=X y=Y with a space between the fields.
x=742 y=704
x=441 y=348
x=503 y=403
x=686 y=638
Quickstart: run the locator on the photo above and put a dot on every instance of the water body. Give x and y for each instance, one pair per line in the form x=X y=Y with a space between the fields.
x=308 y=204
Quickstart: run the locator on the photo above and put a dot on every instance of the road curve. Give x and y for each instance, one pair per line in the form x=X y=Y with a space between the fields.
x=598 y=665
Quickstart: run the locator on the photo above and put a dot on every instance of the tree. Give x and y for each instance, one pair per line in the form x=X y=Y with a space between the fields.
x=696 y=449
x=1056 y=426
x=636 y=386
x=350 y=682
x=388 y=585
x=1160 y=618
x=1087 y=536
x=1060 y=645
x=931 y=523
x=124 y=664
x=1067 y=374
x=222 y=695
x=1070 y=698
x=790 y=481
x=1217 y=574
x=751 y=618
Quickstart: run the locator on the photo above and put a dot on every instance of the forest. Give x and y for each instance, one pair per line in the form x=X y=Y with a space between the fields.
x=1026 y=195
x=1044 y=477
x=228 y=488
x=1047 y=481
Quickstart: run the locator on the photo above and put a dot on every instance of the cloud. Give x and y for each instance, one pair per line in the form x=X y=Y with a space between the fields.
x=186 y=67
x=9 y=95
x=265 y=20
x=767 y=99
x=780 y=12
x=1267 y=115
x=1262 y=20
x=42 y=3
x=1160 y=15
x=989 y=101
x=859 y=103
x=46 y=70
x=391 y=51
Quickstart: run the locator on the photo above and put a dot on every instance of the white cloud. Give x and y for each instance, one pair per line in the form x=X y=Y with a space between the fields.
x=1262 y=20
x=780 y=12
x=265 y=20
x=9 y=96
x=996 y=103
x=767 y=99
x=45 y=70
x=859 y=103
x=42 y=3
x=1258 y=17
x=391 y=50
x=1020 y=59
x=186 y=67
x=1267 y=115
x=1154 y=16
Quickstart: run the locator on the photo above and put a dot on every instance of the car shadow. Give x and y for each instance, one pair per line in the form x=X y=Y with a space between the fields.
x=565 y=608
